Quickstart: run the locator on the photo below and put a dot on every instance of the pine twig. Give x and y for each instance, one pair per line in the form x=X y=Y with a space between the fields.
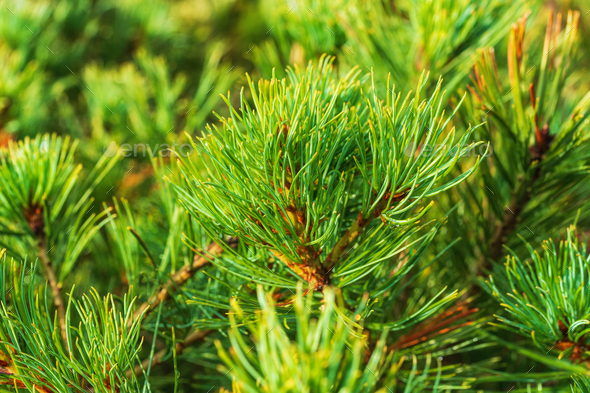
x=359 y=225
x=504 y=228
x=436 y=326
x=178 y=279
x=537 y=151
x=55 y=289
x=312 y=272
x=157 y=359
x=518 y=203
x=351 y=234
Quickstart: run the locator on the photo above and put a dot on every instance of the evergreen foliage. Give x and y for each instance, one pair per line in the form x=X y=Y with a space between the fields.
x=310 y=196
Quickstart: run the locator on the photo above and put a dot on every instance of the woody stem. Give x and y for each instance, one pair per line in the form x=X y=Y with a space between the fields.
x=157 y=359
x=55 y=289
x=356 y=228
x=308 y=272
x=177 y=279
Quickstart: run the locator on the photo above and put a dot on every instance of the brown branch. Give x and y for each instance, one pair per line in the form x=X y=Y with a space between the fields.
x=441 y=324
x=177 y=279
x=34 y=216
x=578 y=350
x=157 y=359
x=543 y=140
x=358 y=226
x=504 y=228
x=7 y=368
x=312 y=270
x=351 y=234
x=520 y=199
x=308 y=266
x=55 y=290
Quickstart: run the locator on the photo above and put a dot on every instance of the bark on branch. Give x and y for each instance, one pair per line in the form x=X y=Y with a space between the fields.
x=55 y=290
x=520 y=199
x=157 y=359
x=357 y=227
x=315 y=272
x=177 y=279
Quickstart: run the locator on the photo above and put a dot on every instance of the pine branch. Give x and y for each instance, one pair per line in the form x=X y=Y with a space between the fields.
x=290 y=180
x=316 y=273
x=55 y=289
x=178 y=279
x=535 y=154
x=310 y=271
x=157 y=359
x=358 y=226
x=505 y=227
x=546 y=298
x=436 y=326
x=106 y=345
